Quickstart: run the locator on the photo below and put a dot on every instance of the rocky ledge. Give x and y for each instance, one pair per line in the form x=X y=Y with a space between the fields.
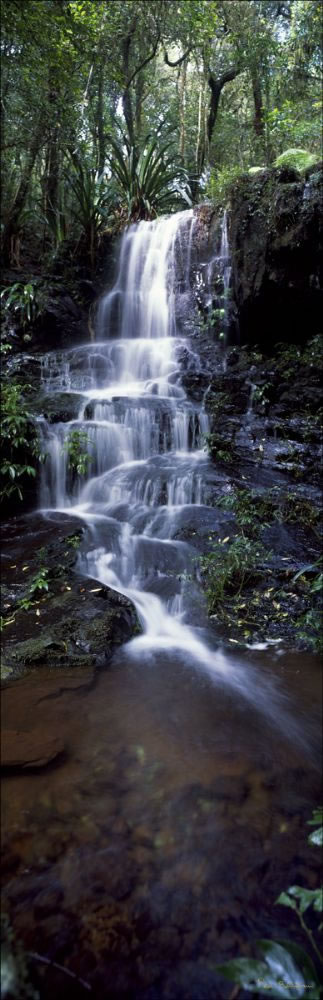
x=275 y=237
x=53 y=616
x=262 y=572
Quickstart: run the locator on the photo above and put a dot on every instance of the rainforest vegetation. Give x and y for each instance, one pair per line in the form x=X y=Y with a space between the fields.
x=114 y=111
x=155 y=860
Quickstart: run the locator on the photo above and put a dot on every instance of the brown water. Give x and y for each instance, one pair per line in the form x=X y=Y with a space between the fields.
x=157 y=845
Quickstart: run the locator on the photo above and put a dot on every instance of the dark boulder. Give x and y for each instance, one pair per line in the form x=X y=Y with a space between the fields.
x=276 y=245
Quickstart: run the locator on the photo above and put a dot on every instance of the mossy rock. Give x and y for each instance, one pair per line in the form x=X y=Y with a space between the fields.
x=301 y=159
x=80 y=622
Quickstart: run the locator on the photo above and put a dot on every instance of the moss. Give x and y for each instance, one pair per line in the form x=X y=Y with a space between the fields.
x=34 y=651
x=301 y=159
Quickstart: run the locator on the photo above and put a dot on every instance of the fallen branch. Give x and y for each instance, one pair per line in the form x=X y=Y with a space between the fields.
x=56 y=965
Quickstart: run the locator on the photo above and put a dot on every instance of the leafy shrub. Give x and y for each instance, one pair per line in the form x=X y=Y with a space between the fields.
x=229 y=567
x=220 y=182
x=298 y=158
x=251 y=510
x=94 y=202
x=151 y=182
x=284 y=969
x=24 y=301
x=19 y=440
x=77 y=455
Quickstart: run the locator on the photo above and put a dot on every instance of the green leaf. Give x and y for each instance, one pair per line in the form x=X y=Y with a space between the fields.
x=305 y=897
x=286 y=900
x=316 y=838
x=317 y=817
x=245 y=971
x=286 y=971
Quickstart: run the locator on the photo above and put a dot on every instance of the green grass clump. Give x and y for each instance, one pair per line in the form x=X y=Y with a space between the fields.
x=228 y=568
x=298 y=158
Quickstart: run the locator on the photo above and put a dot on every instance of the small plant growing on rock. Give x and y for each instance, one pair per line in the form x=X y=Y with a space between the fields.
x=24 y=301
x=78 y=457
x=228 y=568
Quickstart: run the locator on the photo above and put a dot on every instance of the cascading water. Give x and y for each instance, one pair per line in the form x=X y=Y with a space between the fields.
x=145 y=440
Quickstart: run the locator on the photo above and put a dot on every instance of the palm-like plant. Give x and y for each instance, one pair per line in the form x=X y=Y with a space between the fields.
x=151 y=182
x=93 y=202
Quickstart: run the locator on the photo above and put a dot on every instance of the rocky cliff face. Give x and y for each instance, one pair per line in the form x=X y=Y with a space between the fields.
x=275 y=240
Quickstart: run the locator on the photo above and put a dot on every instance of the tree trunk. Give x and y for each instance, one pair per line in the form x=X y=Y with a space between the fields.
x=182 y=108
x=202 y=140
x=100 y=120
x=52 y=183
x=140 y=83
x=11 y=226
x=216 y=91
x=126 y=97
x=259 y=123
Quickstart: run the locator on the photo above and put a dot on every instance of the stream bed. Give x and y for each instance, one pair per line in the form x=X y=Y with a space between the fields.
x=167 y=784
x=159 y=845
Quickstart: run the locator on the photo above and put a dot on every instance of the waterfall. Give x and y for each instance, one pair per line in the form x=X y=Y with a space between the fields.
x=147 y=466
x=144 y=437
x=219 y=268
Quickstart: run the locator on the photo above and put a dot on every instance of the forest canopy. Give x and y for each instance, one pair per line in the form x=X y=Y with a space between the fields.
x=115 y=110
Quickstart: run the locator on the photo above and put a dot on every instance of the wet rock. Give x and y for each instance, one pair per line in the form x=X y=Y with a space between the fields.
x=60 y=408
x=21 y=750
x=78 y=622
x=195 y=385
x=62 y=322
x=276 y=243
x=48 y=902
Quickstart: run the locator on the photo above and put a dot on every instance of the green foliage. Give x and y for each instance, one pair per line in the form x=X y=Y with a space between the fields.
x=76 y=75
x=251 y=510
x=220 y=183
x=310 y=629
x=298 y=158
x=39 y=581
x=220 y=448
x=284 y=969
x=18 y=439
x=151 y=182
x=23 y=301
x=300 y=899
x=74 y=541
x=93 y=203
x=228 y=568
x=37 y=585
x=78 y=457
x=316 y=838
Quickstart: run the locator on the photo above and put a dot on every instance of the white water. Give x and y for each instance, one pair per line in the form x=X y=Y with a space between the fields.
x=145 y=438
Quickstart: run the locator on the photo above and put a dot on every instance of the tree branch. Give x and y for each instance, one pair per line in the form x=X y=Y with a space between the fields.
x=226 y=77
x=143 y=64
x=216 y=87
x=177 y=61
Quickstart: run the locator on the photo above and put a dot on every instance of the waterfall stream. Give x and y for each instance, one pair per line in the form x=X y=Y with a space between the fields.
x=145 y=440
x=173 y=809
